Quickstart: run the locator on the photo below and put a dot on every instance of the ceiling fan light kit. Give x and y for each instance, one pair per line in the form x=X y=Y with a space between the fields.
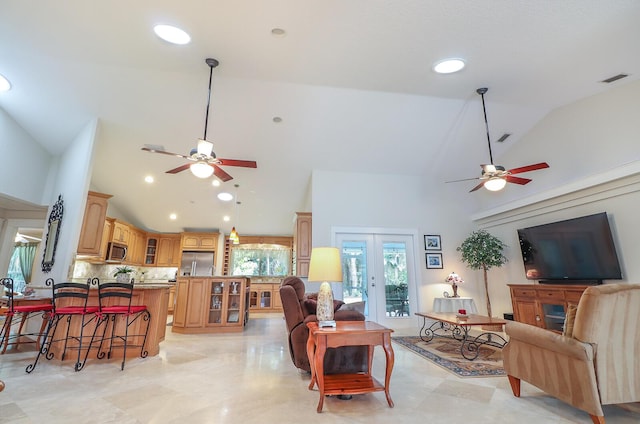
x=204 y=161
x=496 y=177
x=201 y=169
x=495 y=184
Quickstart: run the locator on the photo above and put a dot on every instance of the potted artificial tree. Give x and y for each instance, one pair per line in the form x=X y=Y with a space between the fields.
x=482 y=250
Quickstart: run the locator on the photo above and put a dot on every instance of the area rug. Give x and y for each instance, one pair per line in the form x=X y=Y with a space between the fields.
x=446 y=354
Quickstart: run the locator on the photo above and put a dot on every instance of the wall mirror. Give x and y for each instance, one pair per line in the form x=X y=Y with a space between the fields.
x=53 y=232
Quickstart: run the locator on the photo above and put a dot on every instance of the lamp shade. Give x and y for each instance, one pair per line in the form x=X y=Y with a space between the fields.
x=325 y=264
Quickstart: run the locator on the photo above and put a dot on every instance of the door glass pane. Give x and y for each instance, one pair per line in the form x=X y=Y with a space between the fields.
x=395 y=279
x=553 y=316
x=354 y=272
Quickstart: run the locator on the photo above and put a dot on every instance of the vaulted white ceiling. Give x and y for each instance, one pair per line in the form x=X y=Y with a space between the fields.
x=351 y=81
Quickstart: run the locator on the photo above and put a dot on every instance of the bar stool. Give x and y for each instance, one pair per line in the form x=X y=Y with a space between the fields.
x=115 y=305
x=69 y=301
x=24 y=312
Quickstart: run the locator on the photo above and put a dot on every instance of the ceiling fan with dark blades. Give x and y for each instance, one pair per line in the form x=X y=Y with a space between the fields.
x=495 y=177
x=203 y=160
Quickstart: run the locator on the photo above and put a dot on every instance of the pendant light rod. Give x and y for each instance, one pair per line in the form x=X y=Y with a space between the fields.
x=481 y=92
x=212 y=64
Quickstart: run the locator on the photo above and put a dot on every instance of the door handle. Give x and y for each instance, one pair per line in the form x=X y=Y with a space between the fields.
x=373 y=281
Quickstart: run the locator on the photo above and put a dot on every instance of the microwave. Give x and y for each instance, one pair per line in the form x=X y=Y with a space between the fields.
x=116 y=252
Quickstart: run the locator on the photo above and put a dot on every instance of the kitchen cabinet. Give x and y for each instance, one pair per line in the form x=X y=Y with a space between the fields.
x=265 y=297
x=168 y=252
x=544 y=305
x=120 y=232
x=91 y=233
x=151 y=251
x=172 y=299
x=211 y=304
x=136 y=247
x=302 y=244
x=199 y=241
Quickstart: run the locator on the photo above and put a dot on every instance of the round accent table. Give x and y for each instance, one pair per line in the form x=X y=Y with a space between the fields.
x=453 y=304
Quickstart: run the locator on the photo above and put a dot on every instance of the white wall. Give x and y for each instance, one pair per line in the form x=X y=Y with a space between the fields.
x=24 y=164
x=597 y=136
x=394 y=201
x=29 y=173
x=72 y=183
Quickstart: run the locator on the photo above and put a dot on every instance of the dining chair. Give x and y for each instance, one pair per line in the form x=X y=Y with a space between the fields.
x=69 y=302
x=36 y=307
x=121 y=317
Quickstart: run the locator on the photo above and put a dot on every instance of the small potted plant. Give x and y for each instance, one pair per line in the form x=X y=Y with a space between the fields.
x=122 y=274
x=482 y=250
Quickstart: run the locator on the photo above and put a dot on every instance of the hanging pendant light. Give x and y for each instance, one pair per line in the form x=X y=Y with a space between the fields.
x=234 y=236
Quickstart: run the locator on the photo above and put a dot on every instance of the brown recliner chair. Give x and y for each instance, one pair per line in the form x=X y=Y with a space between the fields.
x=297 y=313
x=598 y=364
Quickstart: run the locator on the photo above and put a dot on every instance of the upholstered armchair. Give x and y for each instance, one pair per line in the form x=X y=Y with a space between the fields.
x=598 y=364
x=299 y=309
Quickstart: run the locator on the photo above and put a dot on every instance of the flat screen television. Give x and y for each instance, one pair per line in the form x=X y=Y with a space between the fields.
x=574 y=250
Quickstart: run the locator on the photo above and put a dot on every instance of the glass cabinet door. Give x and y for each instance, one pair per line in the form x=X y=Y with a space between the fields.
x=215 y=306
x=553 y=316
x=233 y=302
x=265 y=299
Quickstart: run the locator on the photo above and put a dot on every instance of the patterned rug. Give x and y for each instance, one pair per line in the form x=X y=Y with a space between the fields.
x=446 y=354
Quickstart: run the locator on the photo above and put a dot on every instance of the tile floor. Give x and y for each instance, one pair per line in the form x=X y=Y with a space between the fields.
x=249 y=378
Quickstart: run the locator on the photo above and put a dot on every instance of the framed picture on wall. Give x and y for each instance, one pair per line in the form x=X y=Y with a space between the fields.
x=434 y=260
x=432 y=242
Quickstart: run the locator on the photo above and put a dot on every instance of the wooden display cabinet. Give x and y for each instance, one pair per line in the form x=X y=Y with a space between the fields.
x=211 y=304
x=151 y=251
x=544 y=305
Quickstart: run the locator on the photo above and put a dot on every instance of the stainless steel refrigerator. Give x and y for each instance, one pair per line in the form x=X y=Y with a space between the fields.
x=197 y=264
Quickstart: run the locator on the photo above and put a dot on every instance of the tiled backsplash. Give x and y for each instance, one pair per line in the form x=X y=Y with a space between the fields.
x=84 y=270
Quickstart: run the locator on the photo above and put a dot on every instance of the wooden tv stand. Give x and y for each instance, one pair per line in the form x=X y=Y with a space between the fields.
x=544 y=305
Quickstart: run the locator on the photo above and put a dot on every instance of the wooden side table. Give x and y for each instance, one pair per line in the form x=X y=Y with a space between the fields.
x=348 y=333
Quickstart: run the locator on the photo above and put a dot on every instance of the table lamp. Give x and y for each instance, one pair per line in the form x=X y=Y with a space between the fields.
x=325 y=266
x=454 y=279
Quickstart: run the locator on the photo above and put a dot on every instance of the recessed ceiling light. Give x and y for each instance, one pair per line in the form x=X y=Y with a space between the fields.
x=215 y=183
x=148 y=179
x=278 y=32
x=448 y=66
x=226 y=218
x=277 y=119
x=5 y=85
x=173 y=216
x=172 y=34
x=225 y=197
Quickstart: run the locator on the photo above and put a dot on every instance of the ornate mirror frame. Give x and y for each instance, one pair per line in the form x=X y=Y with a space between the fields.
x=53 y=232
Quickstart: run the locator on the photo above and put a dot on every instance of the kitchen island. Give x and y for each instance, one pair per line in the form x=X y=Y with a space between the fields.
x=211 y=305
x=154 y=296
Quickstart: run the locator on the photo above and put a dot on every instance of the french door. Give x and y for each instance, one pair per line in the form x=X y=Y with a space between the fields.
x=379 y=269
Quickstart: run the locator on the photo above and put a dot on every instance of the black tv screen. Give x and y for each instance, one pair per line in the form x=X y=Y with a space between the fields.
x=574 y=249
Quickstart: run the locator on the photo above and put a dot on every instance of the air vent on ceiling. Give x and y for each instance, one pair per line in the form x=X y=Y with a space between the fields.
x=614 y=78
x=503 y=138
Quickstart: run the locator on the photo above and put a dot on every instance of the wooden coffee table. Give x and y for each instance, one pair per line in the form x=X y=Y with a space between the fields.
x=348 y=333
x=452 y=326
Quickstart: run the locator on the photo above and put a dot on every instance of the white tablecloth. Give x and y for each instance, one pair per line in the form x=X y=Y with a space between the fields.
x=453 y=304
